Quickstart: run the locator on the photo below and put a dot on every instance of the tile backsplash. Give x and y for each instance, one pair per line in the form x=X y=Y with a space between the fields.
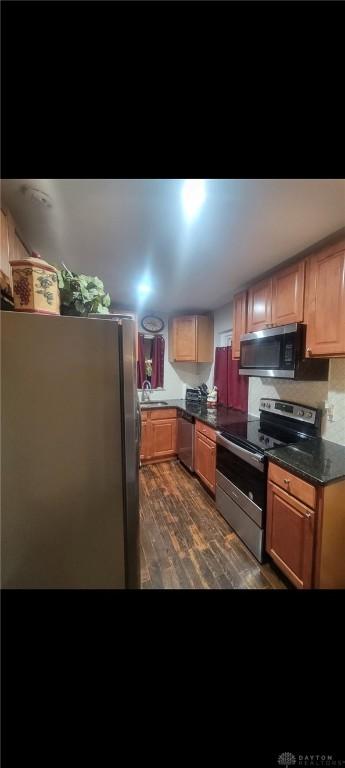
x=314 y=393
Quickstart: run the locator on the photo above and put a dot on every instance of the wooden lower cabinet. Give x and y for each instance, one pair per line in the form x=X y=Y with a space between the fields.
x=158 y=435
x=145 y=447
x=205 y=460
x=305 y=529
x=290 y=533
x=163 y=438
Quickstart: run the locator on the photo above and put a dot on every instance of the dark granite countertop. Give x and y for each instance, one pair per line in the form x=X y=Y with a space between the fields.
x=217 y=417
x=319 y=461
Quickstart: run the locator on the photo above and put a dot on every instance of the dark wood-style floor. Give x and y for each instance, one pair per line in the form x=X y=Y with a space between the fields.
x=186 y=543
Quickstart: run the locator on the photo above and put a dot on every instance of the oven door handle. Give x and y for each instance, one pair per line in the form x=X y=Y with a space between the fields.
x=255 y=459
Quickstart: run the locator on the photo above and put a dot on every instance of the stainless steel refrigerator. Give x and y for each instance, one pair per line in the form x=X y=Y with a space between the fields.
x=70 y=431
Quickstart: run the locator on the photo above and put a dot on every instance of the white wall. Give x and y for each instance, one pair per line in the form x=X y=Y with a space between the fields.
x=314 y=393
x=177 y=376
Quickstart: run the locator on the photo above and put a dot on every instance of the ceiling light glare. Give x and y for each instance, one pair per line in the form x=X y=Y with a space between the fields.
x=144 y=289
x=193 y=197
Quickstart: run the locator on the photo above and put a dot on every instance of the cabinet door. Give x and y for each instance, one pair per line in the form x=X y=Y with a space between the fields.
x=204 y=339
x=260 y=306
x=205 y=461
x=163 y=436
x=290 y=536
x=288 y=295
x=184 y=338
x=239 y=322
x=326 y=303
x=145 y=445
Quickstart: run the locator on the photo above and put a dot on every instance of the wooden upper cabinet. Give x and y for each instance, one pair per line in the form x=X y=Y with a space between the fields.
x=260 y=305
x=191 y=339
x=290 y=536
x=325 y=302
x=288 y=294
x=239 y=322
x=184 y=338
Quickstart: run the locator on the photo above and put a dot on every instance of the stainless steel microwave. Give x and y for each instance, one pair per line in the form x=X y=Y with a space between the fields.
x=280 y=353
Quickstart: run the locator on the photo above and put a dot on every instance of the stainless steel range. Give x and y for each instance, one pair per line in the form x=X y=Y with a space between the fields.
x=241 y=464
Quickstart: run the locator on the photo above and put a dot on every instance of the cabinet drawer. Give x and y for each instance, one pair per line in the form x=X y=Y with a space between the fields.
x=206 y=440
x=205 y=430
x=163 y=413
x=293 y=485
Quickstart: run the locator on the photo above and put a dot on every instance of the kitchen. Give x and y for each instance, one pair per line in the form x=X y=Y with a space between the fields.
x=225 y=465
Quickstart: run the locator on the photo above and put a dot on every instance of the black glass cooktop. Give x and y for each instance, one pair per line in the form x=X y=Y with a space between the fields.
x=253 y=434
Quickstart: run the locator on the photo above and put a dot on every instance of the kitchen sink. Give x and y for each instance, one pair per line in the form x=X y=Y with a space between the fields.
x=153 y=404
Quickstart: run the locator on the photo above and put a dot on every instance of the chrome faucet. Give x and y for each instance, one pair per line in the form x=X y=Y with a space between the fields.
x=145 y=391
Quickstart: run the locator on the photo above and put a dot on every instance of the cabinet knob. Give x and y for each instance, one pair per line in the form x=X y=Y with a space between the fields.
x=309 y=350
x=307 y=514
x=286 y=481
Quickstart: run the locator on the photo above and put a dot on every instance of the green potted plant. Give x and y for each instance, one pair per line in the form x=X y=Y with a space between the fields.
x=81 y=294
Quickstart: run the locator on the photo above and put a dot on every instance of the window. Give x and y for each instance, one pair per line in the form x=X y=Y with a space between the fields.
x=225 y=339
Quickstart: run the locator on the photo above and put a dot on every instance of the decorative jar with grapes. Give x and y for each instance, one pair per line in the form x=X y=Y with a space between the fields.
x=35 y=286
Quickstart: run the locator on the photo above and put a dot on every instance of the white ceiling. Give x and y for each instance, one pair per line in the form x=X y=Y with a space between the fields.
x=122 y=229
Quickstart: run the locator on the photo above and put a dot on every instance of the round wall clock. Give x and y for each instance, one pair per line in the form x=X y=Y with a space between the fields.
x=152 y=324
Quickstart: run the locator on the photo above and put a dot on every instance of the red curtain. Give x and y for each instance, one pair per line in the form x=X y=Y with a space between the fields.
x=141 y=376
x=221 y=374
x=237 y=385
x=232 y=388
x=158 y=345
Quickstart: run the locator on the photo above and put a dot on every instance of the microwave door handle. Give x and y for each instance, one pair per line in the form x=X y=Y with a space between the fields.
x=255 y=459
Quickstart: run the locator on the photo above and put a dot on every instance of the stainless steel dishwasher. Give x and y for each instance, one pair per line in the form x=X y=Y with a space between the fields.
x=185 y=440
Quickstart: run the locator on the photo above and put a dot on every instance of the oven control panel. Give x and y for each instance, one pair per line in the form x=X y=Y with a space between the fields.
x=291 y=410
